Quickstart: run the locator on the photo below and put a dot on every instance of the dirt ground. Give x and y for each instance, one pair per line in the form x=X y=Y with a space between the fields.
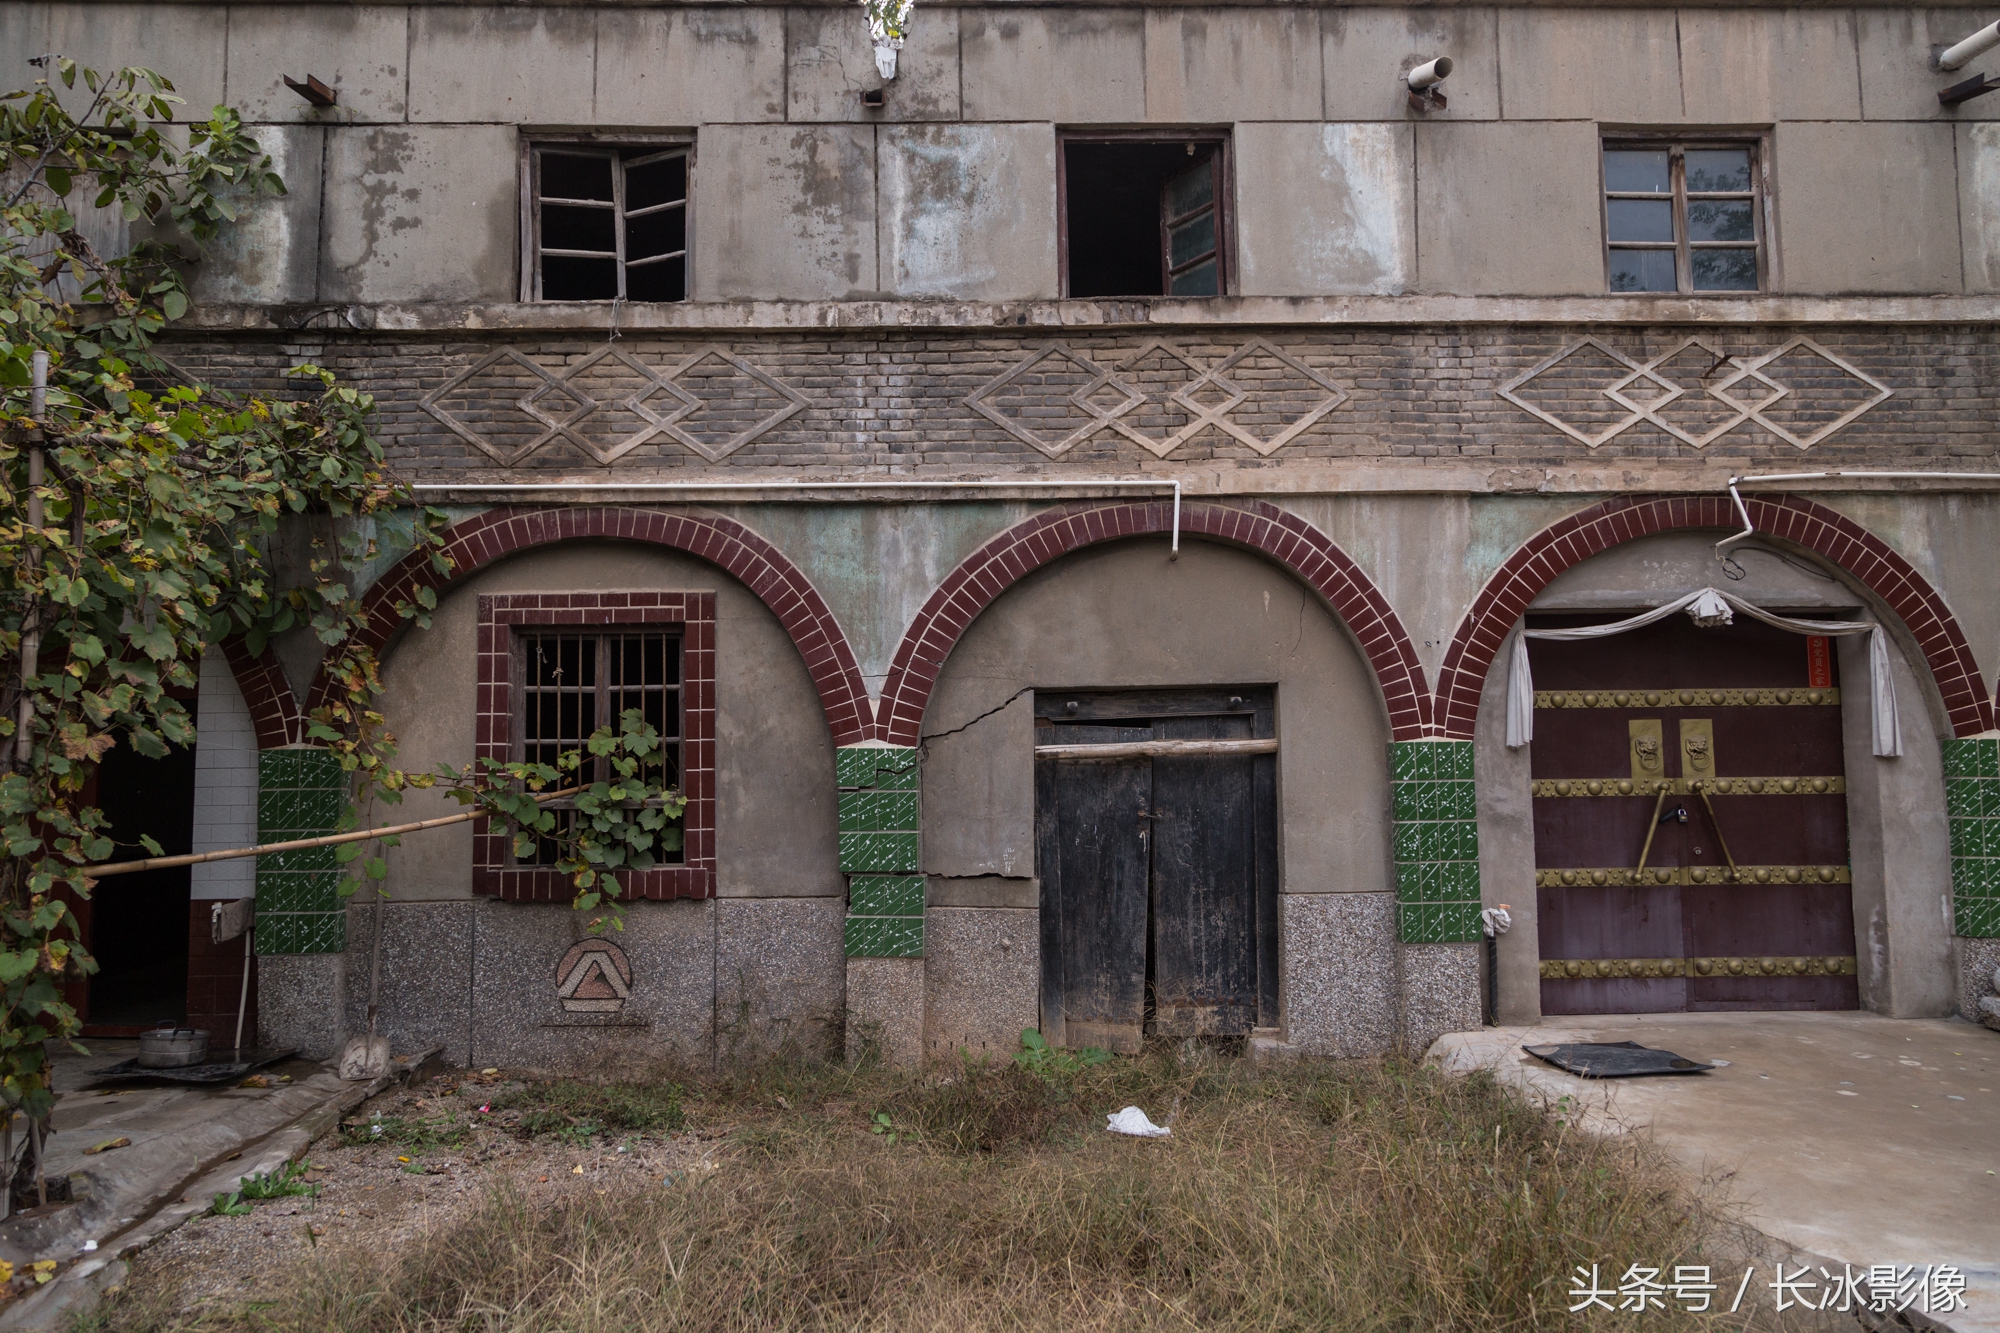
x=377 y=1195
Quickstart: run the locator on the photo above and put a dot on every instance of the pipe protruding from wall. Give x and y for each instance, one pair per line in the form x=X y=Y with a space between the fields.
x=1957 y=54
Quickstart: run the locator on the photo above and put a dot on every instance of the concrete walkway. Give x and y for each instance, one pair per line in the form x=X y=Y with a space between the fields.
x=187 y=1144
x=1861 y=1139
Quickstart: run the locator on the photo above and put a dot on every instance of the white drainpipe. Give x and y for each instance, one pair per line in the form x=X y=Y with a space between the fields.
x=1750 y=529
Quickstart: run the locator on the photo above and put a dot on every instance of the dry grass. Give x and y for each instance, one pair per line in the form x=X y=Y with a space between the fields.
x=1349 y=1195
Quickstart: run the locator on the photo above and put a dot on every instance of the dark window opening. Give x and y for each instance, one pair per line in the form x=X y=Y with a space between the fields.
x=572 y=684
x=610 y=224
x=1145 y=217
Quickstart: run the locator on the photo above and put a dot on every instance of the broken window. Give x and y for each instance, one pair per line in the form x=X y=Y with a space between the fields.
x=572 y=684
x=1145 y=215
x=1683 y=217
x=608 y=223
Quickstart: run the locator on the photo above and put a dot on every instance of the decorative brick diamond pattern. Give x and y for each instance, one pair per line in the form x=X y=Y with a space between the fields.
x=1289 y=540
x=1972 y=810
x=301 y=793
x=609 y=403
x=880 y=849
x=1436 y=841
x=1786 y=517
x=478 y=541
x=494 y=872
x=1058 y=398
x=1831 y=392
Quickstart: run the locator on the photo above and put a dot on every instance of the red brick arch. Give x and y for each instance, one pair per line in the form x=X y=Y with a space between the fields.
x=1285 y=538
x=498 y=533
x=1787 y=517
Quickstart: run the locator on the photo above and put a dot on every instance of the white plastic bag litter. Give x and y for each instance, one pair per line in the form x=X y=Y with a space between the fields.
x=1133 y=1121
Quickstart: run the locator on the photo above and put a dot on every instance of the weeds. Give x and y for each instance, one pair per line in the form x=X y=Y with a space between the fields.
x=262 y=1186
x=1323 y=1195
x=1050 y=1065
x=576 y=1111
x=420 y=1134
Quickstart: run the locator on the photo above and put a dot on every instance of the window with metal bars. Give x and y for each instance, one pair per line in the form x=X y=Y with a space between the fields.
x=572 y=684
x=609 y=224
x=1684 y=216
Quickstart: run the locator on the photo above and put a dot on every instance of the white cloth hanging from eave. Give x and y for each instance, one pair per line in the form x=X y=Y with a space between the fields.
x=1710 y=607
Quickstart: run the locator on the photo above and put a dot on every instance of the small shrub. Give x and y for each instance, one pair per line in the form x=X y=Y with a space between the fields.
x=1050 y=1065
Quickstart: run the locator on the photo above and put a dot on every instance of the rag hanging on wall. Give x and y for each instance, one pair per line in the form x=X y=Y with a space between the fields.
x=1711 y=608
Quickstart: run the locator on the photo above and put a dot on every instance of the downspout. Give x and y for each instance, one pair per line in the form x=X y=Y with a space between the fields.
x=1750 y=529
x=1110 y=483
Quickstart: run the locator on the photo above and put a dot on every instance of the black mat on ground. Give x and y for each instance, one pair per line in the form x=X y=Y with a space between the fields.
x=221 y=1071
x=1615 y=1059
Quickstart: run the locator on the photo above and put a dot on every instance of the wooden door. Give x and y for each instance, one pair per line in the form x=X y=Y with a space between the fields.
x=1159 y=874
x=1726 y=746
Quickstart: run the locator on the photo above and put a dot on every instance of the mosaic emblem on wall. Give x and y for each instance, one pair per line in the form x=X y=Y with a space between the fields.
x=594 y=978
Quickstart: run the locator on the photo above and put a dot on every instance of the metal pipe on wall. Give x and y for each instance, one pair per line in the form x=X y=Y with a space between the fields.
x=1750 y=529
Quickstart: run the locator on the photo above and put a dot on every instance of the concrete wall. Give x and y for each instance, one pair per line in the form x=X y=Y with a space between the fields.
x=1335 y=172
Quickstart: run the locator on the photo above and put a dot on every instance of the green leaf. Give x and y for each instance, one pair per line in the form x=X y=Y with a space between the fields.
x=174 y=304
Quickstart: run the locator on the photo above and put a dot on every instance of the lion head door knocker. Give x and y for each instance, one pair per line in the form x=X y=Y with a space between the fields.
x=1648 y=749
x=1697 y=748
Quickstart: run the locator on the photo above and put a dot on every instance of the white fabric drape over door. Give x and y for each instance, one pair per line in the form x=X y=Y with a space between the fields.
x=1709 y=608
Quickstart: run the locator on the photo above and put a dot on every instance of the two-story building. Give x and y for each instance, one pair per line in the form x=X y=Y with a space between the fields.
x=1075 y=506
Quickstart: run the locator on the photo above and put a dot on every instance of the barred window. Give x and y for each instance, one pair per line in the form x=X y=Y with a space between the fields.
x=609 y=224
x=1683 y=216
x=572 y=684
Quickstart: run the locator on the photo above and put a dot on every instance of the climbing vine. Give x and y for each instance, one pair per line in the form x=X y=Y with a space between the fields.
x=145 y=518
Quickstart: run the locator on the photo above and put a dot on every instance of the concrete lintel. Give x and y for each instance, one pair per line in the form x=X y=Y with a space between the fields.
x=730 y=316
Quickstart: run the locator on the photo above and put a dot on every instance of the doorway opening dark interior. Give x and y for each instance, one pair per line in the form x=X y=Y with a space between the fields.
x=138 y=924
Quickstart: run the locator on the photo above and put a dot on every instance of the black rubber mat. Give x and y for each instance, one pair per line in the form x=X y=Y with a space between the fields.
x=1615 y=1059
x=247 y=1061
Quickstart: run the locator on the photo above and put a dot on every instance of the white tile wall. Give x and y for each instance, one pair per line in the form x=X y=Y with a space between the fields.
x=225 y=783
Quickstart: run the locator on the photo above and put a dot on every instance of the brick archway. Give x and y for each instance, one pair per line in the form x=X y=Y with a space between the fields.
x=1788 y=517
x=1285 y=538
x=760 y=566
x=274 y=709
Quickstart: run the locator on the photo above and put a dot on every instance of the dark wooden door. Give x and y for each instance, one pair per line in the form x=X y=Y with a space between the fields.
x=1726 y=745
x=1159 y=874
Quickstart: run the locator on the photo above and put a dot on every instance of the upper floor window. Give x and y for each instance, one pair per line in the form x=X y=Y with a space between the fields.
x=607 y=223
x=1145 y=213
x=1683 y=216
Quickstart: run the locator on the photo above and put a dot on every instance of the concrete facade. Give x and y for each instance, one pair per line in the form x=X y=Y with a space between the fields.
x=1414 y=376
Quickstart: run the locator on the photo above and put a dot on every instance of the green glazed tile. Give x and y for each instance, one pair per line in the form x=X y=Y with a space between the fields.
x=1409 y=800
x=1416 y=923
x=872 y=766
x=1968 y=837
x=1964 y=797
x=1976 y=918
x=1989 y=797
x=1410 y=761
x=1463 y=841
x=1458 y=923
x=1411 y=881
x=886 y=895
x=1457 y=800
x=1461 y=760
x=878 y=811
x=878 y=853
x=1458 y=881
x=1408 y=842
x=884 y=937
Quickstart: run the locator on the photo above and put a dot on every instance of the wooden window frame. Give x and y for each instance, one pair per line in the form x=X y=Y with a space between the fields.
x=610 y=145
x=692 y=616
x=1677 y=146
x=1225 y=202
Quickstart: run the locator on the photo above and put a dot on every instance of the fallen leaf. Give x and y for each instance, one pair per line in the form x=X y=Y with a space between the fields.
x=7 y=1269
x=44 y=1269
x=579 y=1169
x=489 y=1072
x=402 y=1159
x=255 y=1081
x=545 y=1180
x=106 y=1146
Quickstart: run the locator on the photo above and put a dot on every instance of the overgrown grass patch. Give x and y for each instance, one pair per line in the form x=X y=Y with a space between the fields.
x=575 y=1109
x=1321 y=1195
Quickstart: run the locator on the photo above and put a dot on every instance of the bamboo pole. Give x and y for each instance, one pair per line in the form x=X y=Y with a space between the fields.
x=297 y=844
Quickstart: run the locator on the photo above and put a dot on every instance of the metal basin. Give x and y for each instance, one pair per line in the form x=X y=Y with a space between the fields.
x=172 y=1048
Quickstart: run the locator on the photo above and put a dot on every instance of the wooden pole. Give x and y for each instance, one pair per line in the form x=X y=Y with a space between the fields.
x=297 y=844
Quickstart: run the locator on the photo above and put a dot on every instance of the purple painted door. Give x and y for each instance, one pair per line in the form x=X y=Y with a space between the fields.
x=1725 y=745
